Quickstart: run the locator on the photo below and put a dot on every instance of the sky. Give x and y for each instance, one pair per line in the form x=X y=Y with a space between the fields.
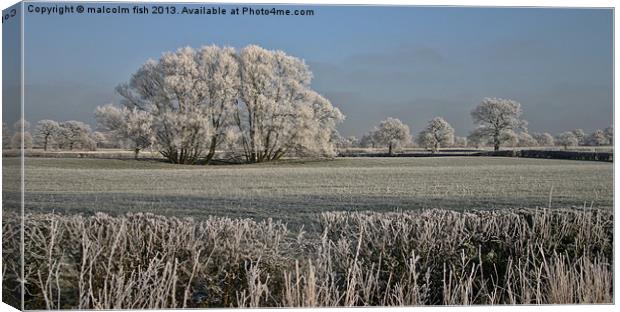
x=372 y=62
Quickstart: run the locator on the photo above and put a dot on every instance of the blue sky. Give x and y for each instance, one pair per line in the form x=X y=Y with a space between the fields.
x=372 y=62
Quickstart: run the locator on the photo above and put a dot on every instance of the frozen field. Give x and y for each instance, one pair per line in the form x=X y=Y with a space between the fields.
x=294 y=190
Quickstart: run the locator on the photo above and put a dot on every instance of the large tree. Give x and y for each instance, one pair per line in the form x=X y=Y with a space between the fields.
x=392 y=133
x=195 y=97
x=438 y=133
x=278 y=113
x=187 y=95
x=495 y=118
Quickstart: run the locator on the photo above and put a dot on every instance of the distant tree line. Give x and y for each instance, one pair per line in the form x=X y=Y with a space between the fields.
x=497 y=123
x=258 y=105
x=53 y=135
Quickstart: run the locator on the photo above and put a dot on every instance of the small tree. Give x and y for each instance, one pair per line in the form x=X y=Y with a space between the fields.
x=526 y=140
x=460 y=141
x=16 y=140
x=98 y=138
x=580 y=135
x=437 y=133
x=597 y=138
x=6 y=136
x=21 y=132
x=567 y=139
x=73 y=134
x=392 y=133
x=368 y=140
x=544 y=139
x=126 y=124
x=46 y=131
x=609 y=134
x=495 y=117
x=477 y=138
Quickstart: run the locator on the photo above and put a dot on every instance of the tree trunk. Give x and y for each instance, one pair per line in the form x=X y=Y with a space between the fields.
x=496 y=141
x=211 y=150
x=390 y=149
x=136 y=151
x=45 y=144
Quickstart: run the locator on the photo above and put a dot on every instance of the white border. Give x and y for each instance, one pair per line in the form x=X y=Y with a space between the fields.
x=487 y=3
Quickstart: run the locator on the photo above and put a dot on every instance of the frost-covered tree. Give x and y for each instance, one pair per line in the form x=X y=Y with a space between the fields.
x=567 y=139
x=580 y=135
x=171 y=92
x=460 y=141
x=368 y=140
x=438 y=133
x=16 y=140
x=392 y=133
x=99 y=138
x=526 y=140
x=46 y=132
x=21 y=133
x=609 y=134
x=131 y=126
x=477 y=138
x=6 y=136
x=544 y=139
x=597 y=138
x=74 y=134
x=495 y=118
x=509 y=138
x=194 y=97
x=278 y=113
x=344 y=142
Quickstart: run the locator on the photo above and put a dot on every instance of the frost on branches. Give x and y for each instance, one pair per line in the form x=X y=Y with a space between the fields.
x=497 y=121
x=255 y=102
x=438 y=133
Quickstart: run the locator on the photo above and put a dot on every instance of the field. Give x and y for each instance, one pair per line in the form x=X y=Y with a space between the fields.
x=342 y=232
x=296 y=190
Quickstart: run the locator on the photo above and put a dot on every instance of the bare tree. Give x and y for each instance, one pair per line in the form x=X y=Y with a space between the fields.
x=437 y=133
x=494 y=117
x=567 y=139
x=46 y=131
x=392 y=133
